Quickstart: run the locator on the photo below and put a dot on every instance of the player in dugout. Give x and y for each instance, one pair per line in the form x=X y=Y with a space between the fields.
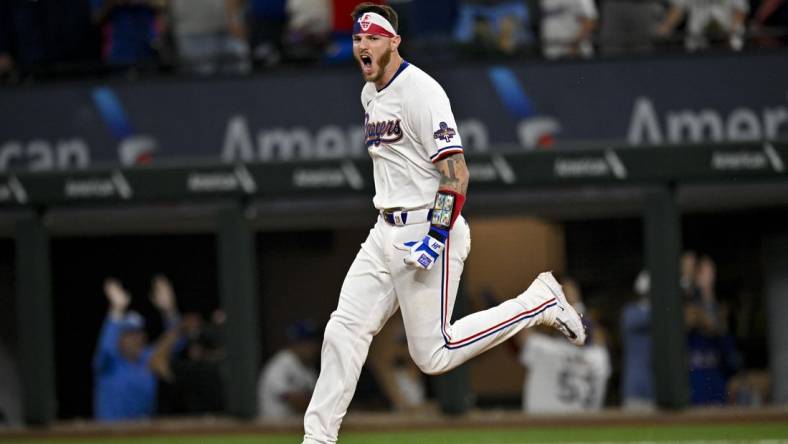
x=126 y=368
x=414 y=255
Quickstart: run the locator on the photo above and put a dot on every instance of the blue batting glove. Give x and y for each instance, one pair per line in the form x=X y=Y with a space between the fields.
x=424 y=253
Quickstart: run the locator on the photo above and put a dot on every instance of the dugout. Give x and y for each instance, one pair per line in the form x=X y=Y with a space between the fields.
x=241 y=237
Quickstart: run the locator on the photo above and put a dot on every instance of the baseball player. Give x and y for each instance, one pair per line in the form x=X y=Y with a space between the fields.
x=414 y=255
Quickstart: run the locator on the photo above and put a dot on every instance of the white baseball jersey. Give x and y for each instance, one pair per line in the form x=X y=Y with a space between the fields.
x=283 y=374
x=561 y=24
x=562 y=377
x=408 y=125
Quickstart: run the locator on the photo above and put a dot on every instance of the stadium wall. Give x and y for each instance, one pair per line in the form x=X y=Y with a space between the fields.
x=303 y=115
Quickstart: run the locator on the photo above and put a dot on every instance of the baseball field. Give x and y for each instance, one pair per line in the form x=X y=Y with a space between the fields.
x=772 y=432
x=720 y=434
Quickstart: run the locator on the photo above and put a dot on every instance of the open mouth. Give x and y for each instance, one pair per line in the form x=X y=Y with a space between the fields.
x=366 y=63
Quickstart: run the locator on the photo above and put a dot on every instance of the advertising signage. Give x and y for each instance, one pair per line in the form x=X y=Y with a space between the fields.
x=728 y=163
x=316 y=115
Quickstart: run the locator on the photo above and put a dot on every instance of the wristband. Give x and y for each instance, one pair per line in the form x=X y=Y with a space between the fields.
x=447 y=208
x=438 y=233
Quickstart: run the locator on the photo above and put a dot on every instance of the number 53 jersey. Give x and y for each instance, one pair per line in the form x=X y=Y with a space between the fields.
x=562 y=377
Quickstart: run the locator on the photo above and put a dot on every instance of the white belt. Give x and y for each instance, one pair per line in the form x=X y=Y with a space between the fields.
x=406 y=217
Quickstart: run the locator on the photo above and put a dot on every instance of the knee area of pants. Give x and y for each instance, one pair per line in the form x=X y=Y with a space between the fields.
x=432 y=365
x=336 y=332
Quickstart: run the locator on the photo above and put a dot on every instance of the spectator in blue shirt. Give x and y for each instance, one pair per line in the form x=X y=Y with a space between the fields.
x=125 y=366
x=637 y=374
x=713 y=356
x=130 y=29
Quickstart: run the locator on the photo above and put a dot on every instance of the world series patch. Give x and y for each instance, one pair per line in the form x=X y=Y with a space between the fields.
x=444 y=132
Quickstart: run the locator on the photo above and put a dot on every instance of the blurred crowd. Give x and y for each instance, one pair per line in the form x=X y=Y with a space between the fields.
x=719 y=373
x=59 y=38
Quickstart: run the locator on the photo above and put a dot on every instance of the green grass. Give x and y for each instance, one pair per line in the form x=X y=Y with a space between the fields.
x=720 y=433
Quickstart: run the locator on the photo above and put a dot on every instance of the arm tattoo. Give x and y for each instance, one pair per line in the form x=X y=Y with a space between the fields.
x=454 y=174
x=449 y=181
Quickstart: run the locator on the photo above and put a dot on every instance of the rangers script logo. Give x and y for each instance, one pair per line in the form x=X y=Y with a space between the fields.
x=375 y=133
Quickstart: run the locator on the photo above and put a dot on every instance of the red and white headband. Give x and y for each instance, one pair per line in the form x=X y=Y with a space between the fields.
x=375 y=24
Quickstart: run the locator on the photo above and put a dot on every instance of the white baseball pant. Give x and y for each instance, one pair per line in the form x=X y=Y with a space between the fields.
x=377 y=283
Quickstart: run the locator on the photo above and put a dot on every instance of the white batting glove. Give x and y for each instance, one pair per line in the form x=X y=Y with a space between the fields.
x=424 y=253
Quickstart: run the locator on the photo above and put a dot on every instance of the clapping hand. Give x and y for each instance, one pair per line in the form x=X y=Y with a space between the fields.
x=117 y=296
x=162 y=295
